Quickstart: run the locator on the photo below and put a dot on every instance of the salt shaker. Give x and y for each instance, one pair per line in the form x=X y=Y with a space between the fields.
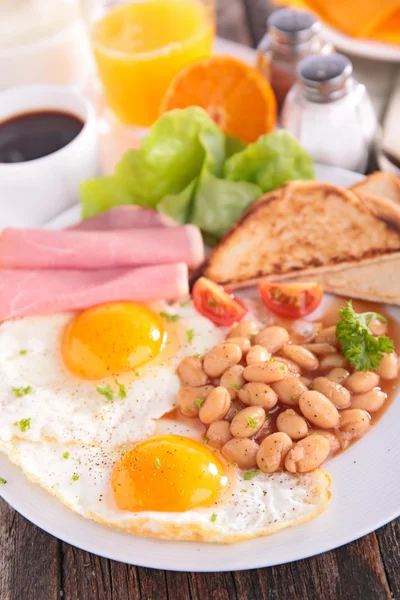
x=330 y=113
x=291 y=36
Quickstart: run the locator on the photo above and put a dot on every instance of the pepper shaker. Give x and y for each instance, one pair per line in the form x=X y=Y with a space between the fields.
x=330 y=113
x=291 y=36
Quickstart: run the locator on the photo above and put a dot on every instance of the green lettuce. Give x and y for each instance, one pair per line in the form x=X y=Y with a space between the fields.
x=270 y=162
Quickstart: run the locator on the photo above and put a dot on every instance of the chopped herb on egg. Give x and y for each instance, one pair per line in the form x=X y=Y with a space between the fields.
x=157 y=463
x=105 y=390
x=213 y=518
x=23 y=352
x=170 y=318
x=75 y=477
x=66 y=455
x=251 y=474
x=121 y=389
x=199 y=402
x=244 y=491
x=23 y=424
x=22 y=391
x=3 y=481
x=252 y=422
x=137 y=374
x=190 y=333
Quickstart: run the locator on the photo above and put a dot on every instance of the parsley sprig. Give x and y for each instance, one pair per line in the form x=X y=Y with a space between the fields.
x=359 y=346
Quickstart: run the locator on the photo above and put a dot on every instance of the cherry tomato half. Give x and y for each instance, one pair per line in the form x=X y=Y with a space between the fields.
x=291 y=300
x=212 y=301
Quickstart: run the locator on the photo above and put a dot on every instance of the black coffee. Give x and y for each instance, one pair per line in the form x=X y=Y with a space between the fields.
x=28 y=136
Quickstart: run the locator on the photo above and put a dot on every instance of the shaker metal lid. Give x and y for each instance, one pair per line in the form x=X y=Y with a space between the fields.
x=293 y=25
x=324 y=75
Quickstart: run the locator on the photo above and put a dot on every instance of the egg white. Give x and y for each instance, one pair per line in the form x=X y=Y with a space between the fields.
x=249 y=509
x=64 y=408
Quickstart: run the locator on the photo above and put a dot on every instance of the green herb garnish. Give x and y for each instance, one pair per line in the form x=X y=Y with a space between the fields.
x=23 y=352
x=190 y=333
x=359 y=346
x=75 y=477
x=22 y=391
x=205 y=441
x=105 y=390
x=252 y=422
x=251 y=474
x=244 y=491
x=66 y=455
x=199 y=402
x=267 y=417
x=212 y=302
x=3 y=481
x=157 y=463
x=213 y=518
x=184 y=304
x=235 y=386
x=170 y=318
x=197 y=356
x=121 y=389
x=23 y=424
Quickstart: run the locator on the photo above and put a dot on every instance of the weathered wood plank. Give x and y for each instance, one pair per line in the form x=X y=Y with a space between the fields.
x=29 y=559
x=213 y=586
x=389 y=545
x=231 y=21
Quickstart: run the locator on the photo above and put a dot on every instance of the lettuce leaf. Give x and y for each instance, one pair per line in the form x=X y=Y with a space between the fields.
x=179 y=206
x=270 y=162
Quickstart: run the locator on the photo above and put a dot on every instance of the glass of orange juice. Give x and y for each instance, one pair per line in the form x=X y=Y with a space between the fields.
x=140 y=45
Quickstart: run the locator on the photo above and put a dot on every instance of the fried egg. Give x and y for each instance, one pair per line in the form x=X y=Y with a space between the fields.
x=181 y=491
x=102 y=376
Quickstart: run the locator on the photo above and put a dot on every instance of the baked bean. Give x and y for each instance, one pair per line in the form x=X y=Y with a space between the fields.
x=331 y=437
x=257 y=354
x=321 y=349
x=338 y=375
x=318 y=410
x=306 y=380
x=245 y=328
x=354 y=421
x=234 y=408
x=248 y=422
x=290 y=422
x=272 y=451
x=272 y=338
x=220 y=358
x=190 y=371
x=378 y=327
x=267 y=372
x=289 y=390
x=293 y=368
x=332 y=360
x=335 y=392
x=233 y=380
x=327 y=336
x=258 y=394
x=300 y=355
x=215 y=406
x=360 y=382
x=308 y=454
x=241 y=451
x=389 y=366
x=370 y=401
x=218 y=433
x=187 y=397
x=243 y=343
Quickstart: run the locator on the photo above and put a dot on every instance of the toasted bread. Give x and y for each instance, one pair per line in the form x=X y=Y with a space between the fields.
x=376 y=280
x=304 y=228
x=380 y=192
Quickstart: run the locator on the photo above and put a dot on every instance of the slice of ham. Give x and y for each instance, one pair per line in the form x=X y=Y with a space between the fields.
x=46 y=249
x=24 y=293
x=125 y=217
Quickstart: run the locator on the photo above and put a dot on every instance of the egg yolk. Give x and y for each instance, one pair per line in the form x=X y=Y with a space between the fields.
x=167 y=473
x=110 y=339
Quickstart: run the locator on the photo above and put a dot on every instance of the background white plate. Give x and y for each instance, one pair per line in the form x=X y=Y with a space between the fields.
x=364 y=48
x=365 y=488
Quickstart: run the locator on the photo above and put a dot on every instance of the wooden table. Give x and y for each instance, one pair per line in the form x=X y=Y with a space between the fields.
x=36 y=566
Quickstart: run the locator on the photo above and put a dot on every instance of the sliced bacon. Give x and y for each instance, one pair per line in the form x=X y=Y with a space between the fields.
x=24 y=293
x=125 y=217
x=67 y=249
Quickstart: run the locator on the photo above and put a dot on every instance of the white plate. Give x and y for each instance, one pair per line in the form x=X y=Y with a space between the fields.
x=361 y=47
x=365 y=488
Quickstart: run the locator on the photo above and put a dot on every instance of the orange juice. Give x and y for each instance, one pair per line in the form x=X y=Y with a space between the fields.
x=139 y=48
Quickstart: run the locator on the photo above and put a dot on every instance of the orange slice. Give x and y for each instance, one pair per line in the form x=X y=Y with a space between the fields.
x=235 y=95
